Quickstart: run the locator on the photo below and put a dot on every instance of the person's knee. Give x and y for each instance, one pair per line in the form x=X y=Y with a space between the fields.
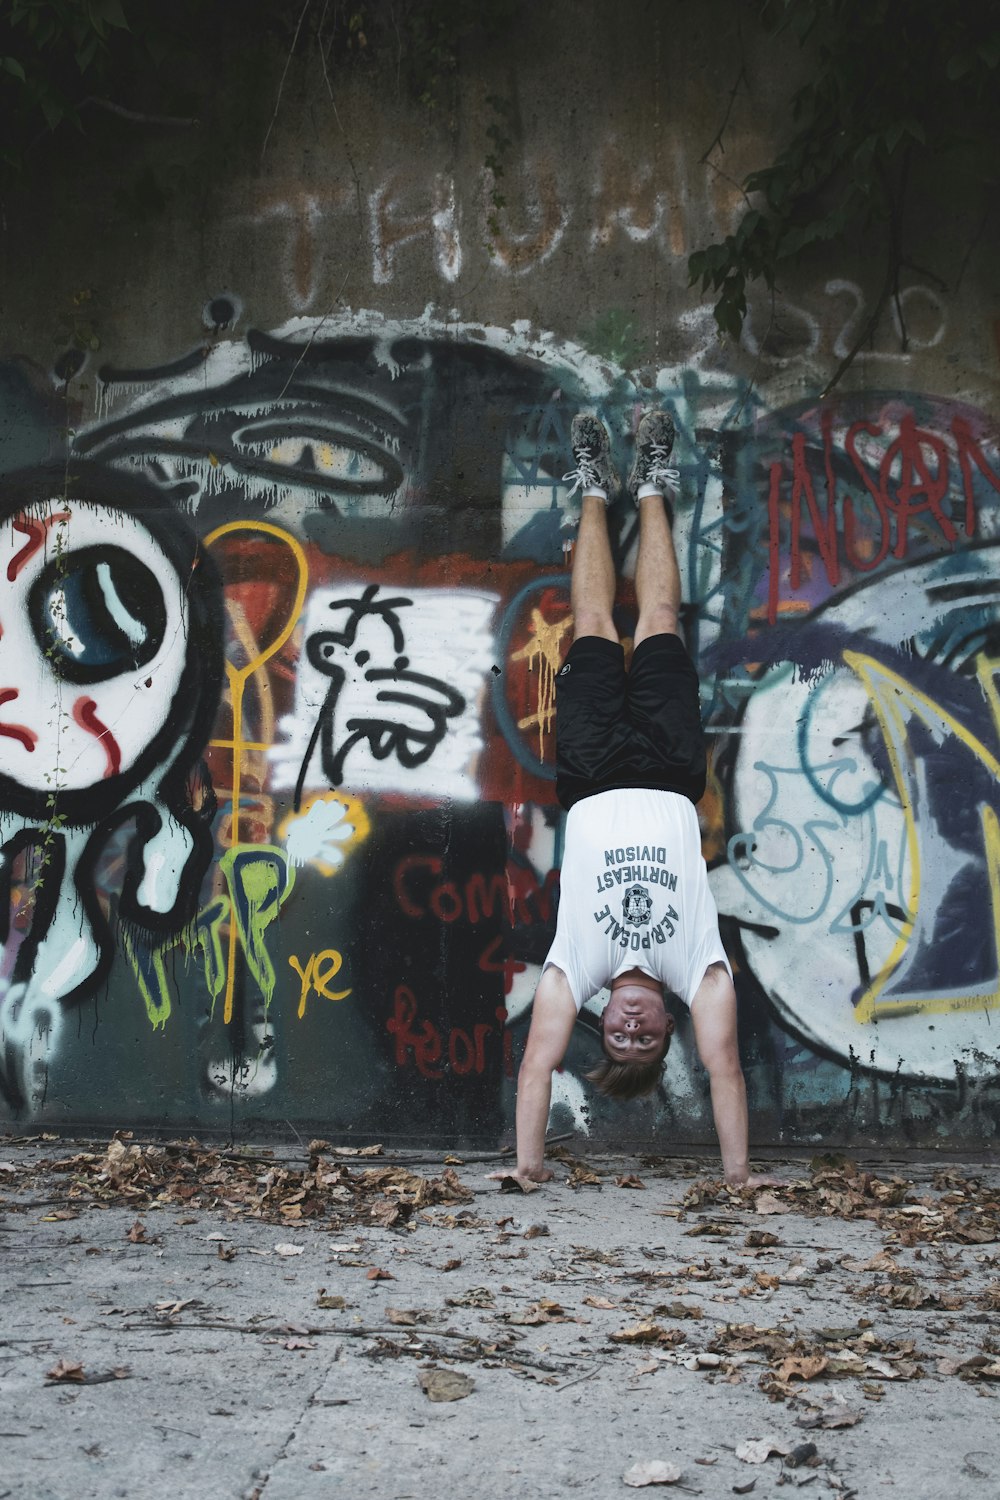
x=658 y=619
x=590 y=621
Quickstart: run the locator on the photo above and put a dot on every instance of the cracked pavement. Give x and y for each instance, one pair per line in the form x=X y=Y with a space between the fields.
x=202 y=1351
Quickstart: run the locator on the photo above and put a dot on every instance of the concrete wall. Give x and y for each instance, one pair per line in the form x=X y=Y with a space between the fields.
x=297 y=525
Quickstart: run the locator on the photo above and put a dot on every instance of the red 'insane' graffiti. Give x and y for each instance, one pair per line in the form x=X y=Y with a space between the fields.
x=886 y=481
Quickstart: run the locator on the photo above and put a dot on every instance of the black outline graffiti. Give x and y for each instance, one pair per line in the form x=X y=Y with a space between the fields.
x=109 y=804
x=385 y=737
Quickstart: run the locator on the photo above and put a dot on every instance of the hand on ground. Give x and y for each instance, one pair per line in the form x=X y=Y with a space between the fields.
x=537 y=1174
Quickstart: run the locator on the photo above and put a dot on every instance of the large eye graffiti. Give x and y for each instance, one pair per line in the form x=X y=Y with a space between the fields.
x=96 y=635
x=97 y=613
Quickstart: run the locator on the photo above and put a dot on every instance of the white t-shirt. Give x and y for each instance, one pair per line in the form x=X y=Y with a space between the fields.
x=634 y=894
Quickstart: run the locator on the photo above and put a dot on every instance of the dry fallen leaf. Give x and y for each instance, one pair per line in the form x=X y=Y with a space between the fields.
x=583 y=1176
x=299 y=1343
x=376 y=1273
x=286 y=1249
x=646 y=1333
x=137 y=1234
x=835 y=1414
x=476 y=1296
x=760 y=1239
x=631 y=1181
x=653 y=1471
x=390 y=1212
x=68 y=1372
x=445 y=1385
x=805 y=1366
x=543 y=1311
x=908 y=1296
x=598 y=1302
x=759 y=1450
x=677 y=1310
x=768 y=1203
x=517 y=1185
x=336 y=1304
x=171 y=1309
x=409 y=1317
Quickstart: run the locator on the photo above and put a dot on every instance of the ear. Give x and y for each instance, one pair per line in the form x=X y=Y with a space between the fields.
x=670 y=1023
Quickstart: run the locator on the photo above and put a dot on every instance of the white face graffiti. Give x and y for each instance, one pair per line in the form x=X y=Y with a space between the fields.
x=93 y=638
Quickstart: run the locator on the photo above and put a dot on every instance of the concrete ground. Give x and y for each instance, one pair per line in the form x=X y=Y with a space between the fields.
x=161 y=1337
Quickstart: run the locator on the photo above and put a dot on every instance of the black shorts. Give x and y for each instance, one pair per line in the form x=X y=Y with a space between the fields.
x=637 y=728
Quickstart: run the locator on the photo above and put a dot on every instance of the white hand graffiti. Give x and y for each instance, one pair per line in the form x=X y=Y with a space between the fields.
x=317 y=833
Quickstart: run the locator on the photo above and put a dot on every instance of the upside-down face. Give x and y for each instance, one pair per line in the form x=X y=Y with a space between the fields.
x=635 y=1023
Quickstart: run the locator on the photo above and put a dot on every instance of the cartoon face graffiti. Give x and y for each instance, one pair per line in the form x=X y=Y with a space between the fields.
x=89 y=658
x=109 y=640
x=110 y=672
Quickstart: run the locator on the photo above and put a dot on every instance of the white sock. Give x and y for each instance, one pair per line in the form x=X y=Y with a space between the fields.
x=648 y=489
x=598 y=493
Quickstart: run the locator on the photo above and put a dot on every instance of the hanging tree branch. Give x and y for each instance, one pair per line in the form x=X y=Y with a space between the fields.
x=890 y=84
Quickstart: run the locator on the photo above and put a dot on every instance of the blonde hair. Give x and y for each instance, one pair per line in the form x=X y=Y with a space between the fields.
x=618 y=1080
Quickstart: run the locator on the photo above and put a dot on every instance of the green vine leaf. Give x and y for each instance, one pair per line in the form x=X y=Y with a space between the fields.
x=889 y=85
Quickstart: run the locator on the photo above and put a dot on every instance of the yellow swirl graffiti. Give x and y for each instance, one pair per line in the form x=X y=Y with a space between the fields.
x=238 y=678
x=895 y=703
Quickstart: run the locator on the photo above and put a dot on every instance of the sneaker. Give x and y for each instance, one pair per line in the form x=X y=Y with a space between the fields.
x=592 y=451
x=654 y=444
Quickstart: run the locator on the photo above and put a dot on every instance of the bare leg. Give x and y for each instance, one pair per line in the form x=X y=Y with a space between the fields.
x=657 y=577
x=592 y=590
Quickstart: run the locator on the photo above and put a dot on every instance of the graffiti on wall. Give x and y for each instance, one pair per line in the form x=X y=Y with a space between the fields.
x=111 y=648
x=282 y=633
x=862 y=791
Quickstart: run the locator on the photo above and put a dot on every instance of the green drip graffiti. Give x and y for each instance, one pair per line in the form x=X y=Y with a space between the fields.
x=259 y=880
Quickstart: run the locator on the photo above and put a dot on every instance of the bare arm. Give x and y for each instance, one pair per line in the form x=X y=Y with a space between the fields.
x=553 y=1017
x=713 y=1012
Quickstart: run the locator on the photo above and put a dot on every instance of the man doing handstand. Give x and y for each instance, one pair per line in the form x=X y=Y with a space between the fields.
x=635 y=911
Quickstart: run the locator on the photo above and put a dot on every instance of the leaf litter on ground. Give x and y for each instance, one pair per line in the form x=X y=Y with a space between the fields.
x=192 y=1175
x=964 y=1210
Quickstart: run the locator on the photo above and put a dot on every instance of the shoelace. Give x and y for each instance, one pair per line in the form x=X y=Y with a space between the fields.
x=659 y=471
x=585 y=475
